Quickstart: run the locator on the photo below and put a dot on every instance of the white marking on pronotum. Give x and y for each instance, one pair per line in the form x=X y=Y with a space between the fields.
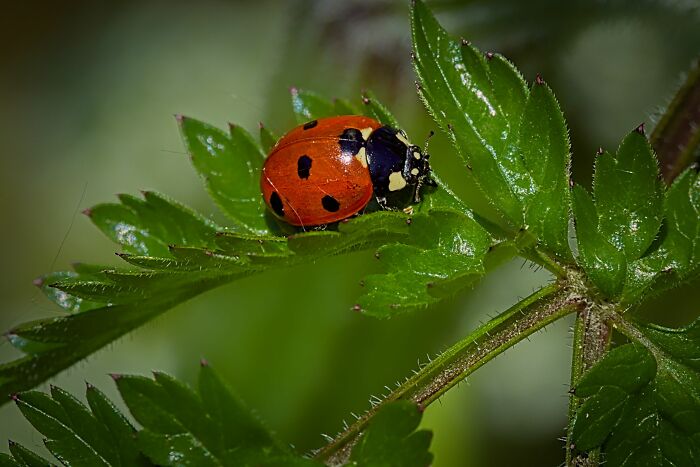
x=402 y=137
x=396 y=181
x=366 y=132
x=414 y=171
x=362 y=157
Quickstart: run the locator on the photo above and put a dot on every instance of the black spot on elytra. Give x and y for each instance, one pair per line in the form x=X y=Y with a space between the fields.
x=330 y=204
x=351 y=141
x=276 y=204
x=304 y=167
x=310 y=125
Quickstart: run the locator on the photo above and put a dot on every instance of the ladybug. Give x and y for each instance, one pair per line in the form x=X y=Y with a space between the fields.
x=329 y=169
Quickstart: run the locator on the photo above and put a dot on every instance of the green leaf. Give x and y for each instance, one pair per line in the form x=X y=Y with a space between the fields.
x=544 y=144
x=513 y=140
x=344 y=107
x=604 y=264
x=391 y=439
x=75 y=435
x=629 y=196
x=642 y=403
x=149 y=226
x=375 y=109
x=446 y=253
x=25 y=458
x=677 y=257
x=308 y=105
x=121 y=431
x=212 y=427
x=230 y=166
x=455 y=87
x=66 y=301
x=267 y=138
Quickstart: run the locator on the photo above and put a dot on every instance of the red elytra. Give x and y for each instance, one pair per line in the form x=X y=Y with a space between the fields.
x=310 y=179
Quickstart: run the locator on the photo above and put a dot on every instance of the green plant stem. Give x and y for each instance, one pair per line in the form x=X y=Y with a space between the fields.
x=492 y=338
x=590 y=342
x=676 y=137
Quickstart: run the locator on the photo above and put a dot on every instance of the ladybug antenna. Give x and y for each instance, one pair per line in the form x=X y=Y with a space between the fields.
x=427 y=140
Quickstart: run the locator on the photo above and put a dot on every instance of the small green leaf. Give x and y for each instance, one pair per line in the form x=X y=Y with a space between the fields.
x=344 y=107
x=308 y=105
x=642 y=403
x=445 y=254
x=120 y=430
x=66 y=301
x=236 y=425
x=212 y=427
x=26 y=458
x=267 y=138
x=74 y=435
x=629 y=196
x=149 y=226
x=604 y=264
x=682 y=209
x=375 y=109
x=677 y=256
x=544 y=144
x=366 y=231
x=455 y=86
x=230 y=166
x=391 y=439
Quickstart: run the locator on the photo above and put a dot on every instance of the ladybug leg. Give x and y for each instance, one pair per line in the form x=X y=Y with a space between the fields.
x=381 y=201
x=416 y=193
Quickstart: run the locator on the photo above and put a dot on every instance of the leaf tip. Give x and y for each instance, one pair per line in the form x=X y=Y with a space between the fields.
x=89 y=386
x=180 y=119
x=466 y=42
x=357 y=307
x=538 y=79
x=10 y=443
x=640 y=129
x=294 y=91
x=260 y=125
x=87 y=212
x=116 y=376
x=489 y=55
x=366 y=100
x=203 y=362
x=15 y=397
x=39 y=281
x=599 y=152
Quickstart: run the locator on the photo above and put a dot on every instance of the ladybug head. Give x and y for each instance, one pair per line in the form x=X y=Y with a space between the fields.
x=396 y=165
x=417 y=170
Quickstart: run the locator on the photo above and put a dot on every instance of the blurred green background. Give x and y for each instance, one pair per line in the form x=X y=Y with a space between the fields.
x=87 y=94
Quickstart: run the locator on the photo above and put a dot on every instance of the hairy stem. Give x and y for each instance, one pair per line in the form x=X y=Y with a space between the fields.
x=591 y=341
x=492 y=338
x=676 y=137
